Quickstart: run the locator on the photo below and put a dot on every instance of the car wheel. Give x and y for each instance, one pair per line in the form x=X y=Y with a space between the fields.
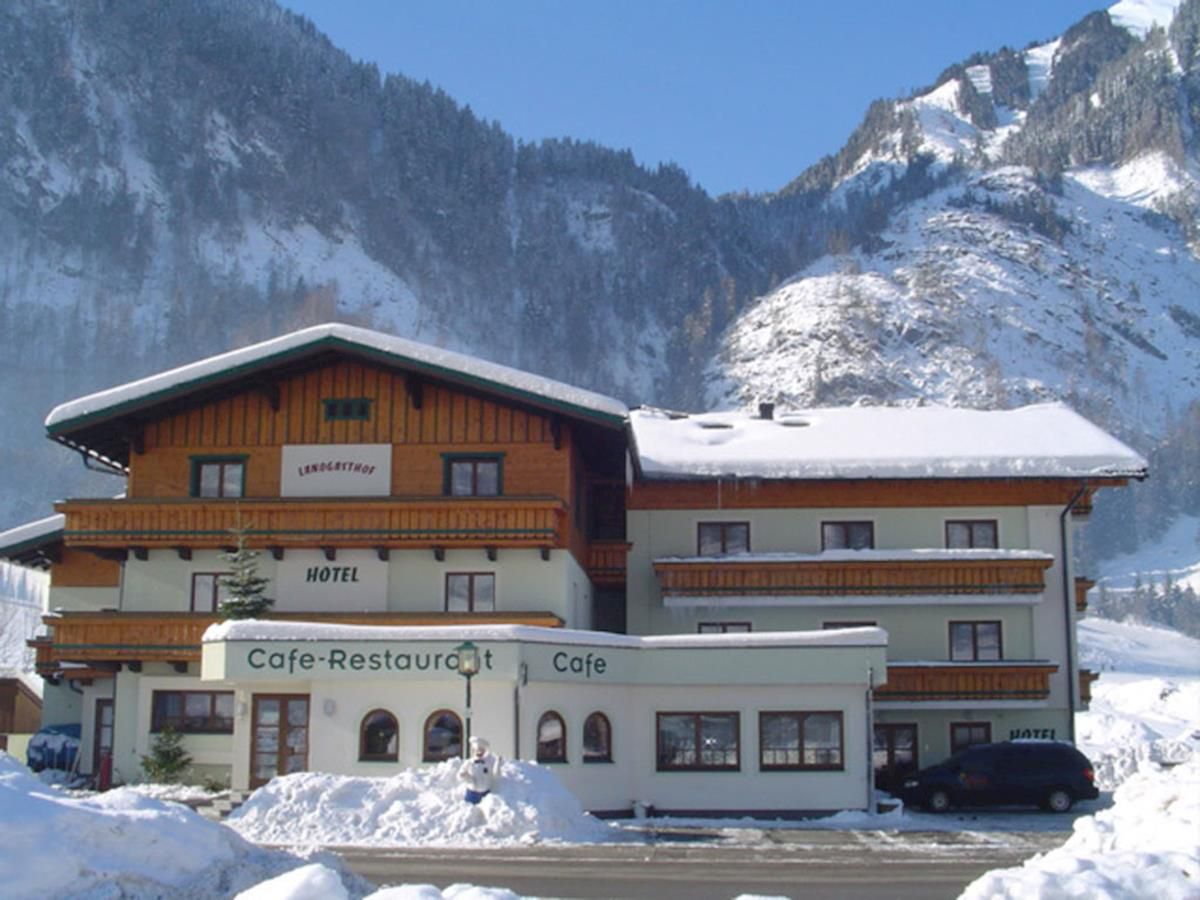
x=937 y=801
x=1059 y=800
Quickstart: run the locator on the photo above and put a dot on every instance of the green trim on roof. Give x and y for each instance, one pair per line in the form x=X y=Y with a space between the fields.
x=336 y=343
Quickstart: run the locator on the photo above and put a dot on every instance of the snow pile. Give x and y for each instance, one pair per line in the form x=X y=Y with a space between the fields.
x=417 y=807
x=1147 y=845
x=119 y=844
x=318 y=882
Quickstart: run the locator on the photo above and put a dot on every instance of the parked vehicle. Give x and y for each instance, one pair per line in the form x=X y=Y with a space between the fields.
x=1050 y=774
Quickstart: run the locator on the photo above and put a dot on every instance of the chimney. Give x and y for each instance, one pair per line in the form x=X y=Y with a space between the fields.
x=766 y=411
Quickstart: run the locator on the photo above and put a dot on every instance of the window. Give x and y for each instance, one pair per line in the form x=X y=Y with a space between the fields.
x=472 y=476
x=379 y=737
x=962 y=534
x=722 y=538
x=723 y=627
x=698 y=742
x=975 y=641
x=551 y=739
x=830 y=626
x=208 y=590
x=192 y=712
x=218 y=476
x=847 y=535
x=347 y=408
x=968 y=734
x=470 y=592
x=800 y=740
x=443 y=736
x=597 y=739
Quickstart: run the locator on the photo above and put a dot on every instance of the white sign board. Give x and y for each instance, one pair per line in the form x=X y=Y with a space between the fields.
x=305 y=581
x=336 y=470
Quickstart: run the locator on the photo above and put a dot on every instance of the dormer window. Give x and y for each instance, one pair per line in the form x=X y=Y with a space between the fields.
x=347 y=409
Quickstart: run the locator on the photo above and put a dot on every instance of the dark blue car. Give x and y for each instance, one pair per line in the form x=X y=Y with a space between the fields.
x=1049 y=774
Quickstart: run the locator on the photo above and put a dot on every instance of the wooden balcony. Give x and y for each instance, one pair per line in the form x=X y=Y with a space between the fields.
x=97 y=642
x=813 y=576
x=607 y=562
x=342 y=523
x=1012 y=680
x=1086 y=678
x=1082 y=586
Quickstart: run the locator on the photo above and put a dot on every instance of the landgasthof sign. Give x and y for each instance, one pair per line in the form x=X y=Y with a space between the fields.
x=336 y=470
x=356 y=580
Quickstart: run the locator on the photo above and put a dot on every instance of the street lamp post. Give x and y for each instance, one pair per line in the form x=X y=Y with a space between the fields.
x=468 y=668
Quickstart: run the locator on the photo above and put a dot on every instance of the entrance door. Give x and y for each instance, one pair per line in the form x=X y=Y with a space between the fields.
x=895 y=754
x=102 y=733
x=279 y=736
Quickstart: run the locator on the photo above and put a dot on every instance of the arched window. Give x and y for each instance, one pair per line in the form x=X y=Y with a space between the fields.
x=597 y=738
x=443 y=736
x=551 y=738
x=379 y=737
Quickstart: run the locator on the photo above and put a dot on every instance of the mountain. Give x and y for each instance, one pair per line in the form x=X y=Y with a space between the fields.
x=182 y=178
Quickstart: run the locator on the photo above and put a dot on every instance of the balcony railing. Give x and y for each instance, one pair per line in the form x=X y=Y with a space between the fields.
x=358 y=522
x=1010 y=680
x=849 y=574
x=1082 y=586
x=94 y=640
x=607 y=563
x=1086 y=678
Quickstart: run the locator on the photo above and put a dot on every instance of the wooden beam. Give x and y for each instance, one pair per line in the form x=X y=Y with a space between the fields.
x=439 y=553
x=140 y=553
x=556 y=431
x=134 y=665
x=491 y=553
x=136 y=438
x=383 y=553
x=416 y=390
x=330 y=553
x=270 y=390
x=184 y=552
x=276 y=552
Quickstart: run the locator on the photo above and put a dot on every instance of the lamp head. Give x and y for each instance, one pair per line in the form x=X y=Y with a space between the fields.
x=468 y=659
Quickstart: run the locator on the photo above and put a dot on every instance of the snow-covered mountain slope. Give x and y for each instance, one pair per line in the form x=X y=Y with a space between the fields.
x=22 y=602
x=993 y=290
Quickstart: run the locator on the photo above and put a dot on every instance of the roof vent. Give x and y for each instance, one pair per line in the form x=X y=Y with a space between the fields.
x=766 y=411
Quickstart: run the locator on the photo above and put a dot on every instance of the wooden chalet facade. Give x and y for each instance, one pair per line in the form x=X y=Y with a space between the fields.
x=394 y=485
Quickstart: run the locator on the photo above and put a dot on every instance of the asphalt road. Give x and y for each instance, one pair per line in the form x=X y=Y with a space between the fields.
x=795 y=864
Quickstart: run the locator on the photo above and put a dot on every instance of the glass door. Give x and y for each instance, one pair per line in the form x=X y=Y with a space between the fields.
x=102 y=734
x=279 y=736
x=895 y=754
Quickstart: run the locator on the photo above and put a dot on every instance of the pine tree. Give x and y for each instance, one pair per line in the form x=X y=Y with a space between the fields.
x=245 y=588
x=168 y=761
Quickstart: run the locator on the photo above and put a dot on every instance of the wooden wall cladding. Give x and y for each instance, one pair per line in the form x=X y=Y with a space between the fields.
x=422 y=423
x=863 y=493
x=78 y=568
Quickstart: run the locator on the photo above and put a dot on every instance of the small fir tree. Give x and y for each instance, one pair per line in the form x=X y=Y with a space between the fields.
x=245 y=588
x=168 y=761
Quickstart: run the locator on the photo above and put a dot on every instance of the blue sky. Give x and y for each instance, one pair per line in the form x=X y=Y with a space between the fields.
x=743 y=94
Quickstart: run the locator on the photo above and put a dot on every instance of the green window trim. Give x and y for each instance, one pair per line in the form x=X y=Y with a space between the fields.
x=449 y=459
x=198 y=462
x=347 y=409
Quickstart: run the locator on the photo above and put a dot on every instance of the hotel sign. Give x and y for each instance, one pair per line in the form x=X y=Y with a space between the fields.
x=355 y=581
x=336 y=470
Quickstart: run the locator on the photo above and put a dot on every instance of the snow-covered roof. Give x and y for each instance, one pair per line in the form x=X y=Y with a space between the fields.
x=31 y=535
x=263 y=630
x=1042 y=441
x=386 y=348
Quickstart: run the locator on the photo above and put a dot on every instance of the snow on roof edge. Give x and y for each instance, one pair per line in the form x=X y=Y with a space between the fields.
x=435 y=359
x=266 y=630
x=16 y=538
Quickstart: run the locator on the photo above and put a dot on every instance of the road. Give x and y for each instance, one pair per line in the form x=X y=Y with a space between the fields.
x=795 y=864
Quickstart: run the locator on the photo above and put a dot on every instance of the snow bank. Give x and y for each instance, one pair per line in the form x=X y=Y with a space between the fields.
x=1147 y=845
x=119 y=844
x=417 y=807
x=318 y=882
